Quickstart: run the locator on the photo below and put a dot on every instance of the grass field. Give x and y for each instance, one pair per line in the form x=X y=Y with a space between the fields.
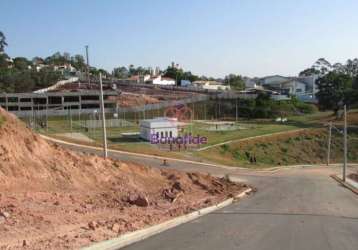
x=306 y=147
x=249 y=130
x=270 y=151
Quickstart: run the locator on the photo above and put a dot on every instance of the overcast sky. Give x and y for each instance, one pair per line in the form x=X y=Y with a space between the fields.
x=208 y=37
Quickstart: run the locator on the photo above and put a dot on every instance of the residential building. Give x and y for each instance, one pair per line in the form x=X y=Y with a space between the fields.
x=185 y=83
x=211 y=85
x=284 y=85
x=161 y=80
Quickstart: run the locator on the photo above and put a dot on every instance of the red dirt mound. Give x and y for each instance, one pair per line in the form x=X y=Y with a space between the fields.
x=53 y=198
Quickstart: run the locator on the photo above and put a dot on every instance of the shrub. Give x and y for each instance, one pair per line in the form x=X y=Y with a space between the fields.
x=306 y=108
x=225 y=148
x=236 y=155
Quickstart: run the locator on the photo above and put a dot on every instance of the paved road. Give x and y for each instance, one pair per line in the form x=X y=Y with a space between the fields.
x=296 y=209
x=290 y=211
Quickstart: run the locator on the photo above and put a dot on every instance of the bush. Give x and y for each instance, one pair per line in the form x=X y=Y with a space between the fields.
x=236 y=155
x=225 y=148
x=306 y=108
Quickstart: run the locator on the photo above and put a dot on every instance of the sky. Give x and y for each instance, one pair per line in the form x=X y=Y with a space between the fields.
x=207 y=37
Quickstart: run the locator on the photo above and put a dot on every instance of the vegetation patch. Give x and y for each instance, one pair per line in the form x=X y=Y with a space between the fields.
x=2 y=120
x=299 y=147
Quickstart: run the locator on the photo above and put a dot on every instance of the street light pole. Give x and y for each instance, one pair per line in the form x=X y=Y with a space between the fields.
x=345 y=144
x=236 y=109
x=105 y=153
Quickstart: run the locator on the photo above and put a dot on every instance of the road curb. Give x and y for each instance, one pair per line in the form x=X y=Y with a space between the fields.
x=345 y=184
x=132 y=237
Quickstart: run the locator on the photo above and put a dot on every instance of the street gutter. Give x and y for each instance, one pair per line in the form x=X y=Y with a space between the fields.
x=133 y=237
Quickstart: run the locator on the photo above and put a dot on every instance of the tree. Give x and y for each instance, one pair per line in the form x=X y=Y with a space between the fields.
x=21 y=63
x=4 y=60
x=355 y=83
x=351 y=67
x=179 y=74
x=235 y=81
x=78 y=62
x=309 y=72
x=333 y=90
x=174 y=73
x=3 y=43
x=121 y=72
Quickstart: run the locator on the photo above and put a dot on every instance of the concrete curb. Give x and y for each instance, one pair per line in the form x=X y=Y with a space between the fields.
x=345 y=184
x=132 y=237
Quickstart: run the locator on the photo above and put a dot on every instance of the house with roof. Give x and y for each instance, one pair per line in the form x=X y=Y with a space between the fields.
x=160 y=80
x=284 y=85
x=160 y=127
x=211 y=85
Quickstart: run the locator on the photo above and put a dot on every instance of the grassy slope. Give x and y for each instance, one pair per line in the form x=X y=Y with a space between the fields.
x=305 y=147
x=266 y=155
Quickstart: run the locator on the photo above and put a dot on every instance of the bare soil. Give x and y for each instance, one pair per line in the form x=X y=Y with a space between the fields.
x=353 y=176
x=126 y=99
x=53 y=198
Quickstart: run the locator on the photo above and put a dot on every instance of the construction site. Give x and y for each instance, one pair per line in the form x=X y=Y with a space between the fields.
x=53 y=198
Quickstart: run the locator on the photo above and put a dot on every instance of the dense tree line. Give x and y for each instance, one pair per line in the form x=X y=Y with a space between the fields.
x=337 y=83
x=22 y=75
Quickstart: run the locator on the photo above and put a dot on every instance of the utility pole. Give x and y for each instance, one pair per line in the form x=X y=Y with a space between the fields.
x=88 y=67
x=70 y=114
x=329 y=143
x=236 y=110
x=345 y=144
x=105 y=154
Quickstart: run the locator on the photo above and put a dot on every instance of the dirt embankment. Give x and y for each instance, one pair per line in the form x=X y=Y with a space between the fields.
x=126 y=99
x=52 y=198
x=353 y=176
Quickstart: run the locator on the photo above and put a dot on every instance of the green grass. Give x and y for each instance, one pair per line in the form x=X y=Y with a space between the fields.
x=267 y=153
x=305 y=147
x=253 y=129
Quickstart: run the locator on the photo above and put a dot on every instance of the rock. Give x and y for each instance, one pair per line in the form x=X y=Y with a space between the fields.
x=56 y=203
x=177 y=186
x=24 y=243
x=2 y=220
x=138 y=200
x=115 y=228
x=4 y=214
x=92 y=225
x=169 y=195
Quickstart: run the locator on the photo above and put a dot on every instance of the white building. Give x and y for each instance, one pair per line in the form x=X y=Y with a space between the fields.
x=161 y=80
x=213 y=85
x=161 y=127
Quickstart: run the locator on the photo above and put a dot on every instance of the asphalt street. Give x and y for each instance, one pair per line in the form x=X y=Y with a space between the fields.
x=299 y=208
